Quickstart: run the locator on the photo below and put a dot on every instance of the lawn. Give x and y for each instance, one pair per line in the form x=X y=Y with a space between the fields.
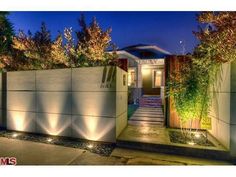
x=131 y=109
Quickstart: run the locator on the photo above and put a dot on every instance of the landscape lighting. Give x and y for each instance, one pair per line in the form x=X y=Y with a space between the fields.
x=90 y=146
x=191 y=143
x=14 y=135
x=49 y=140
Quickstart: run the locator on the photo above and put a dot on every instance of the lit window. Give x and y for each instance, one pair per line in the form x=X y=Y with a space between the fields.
x=157 y=78
x=131 y=78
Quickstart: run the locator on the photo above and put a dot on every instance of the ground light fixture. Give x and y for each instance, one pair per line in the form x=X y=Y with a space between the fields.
x=191 y=143
x=197 y=135
x=14 y=135
x=90 y=146
x=49 y=140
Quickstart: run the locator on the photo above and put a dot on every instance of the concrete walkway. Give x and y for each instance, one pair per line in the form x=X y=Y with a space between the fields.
x=147 y=116
x=31 y=153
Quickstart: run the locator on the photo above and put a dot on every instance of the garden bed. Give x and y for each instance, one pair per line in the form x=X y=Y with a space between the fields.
x=192 y=138
x=104 y=149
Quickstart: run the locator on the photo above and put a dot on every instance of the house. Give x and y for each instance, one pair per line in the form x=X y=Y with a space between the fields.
x=145 y=70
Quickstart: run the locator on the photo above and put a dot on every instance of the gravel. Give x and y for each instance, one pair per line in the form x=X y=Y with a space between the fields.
x=178 y=137
x=104 y=149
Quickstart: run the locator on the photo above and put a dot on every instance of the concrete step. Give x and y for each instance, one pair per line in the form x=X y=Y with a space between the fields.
x=148 y=119
x=150 y=106
x=151 y=114
x=149 y=101
x=158 y=105
x=155 y=101
x=148 y=115
x=146 y=98
x=135 y=122
x=150 y=111
x=175 y=149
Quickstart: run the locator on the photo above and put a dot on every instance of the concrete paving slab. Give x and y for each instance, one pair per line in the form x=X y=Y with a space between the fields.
x=32 y=153
x=157 y=119
x=149 y=112
x=146 y=133
x=88 y=158
x=136 y=157
x=137 y=114
x=147 y=116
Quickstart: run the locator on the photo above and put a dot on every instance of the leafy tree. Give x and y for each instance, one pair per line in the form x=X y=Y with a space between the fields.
x=70 y=48
x=190 y=88
x=6 y=33
x=92 y=40
x=218 y=39
x=92 y=44
x=40 y=51
x=58 y=53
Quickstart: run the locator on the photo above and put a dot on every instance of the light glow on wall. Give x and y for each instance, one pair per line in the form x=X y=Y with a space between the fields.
x=53 y=125
x=145 y=71
x=19 y=121
x=92 y=128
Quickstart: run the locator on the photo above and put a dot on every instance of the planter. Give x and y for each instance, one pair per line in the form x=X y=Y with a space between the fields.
x=87 y=103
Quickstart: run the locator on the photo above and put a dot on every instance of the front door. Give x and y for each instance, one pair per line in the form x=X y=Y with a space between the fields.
x=152 y=81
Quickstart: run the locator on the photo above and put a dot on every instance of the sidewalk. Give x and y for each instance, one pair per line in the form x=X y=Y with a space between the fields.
x=32 y=153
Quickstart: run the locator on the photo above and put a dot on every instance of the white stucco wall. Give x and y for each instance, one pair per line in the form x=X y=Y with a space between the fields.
x=223 y=109
x=220 y=106
x=1 y=91
x=87 y=103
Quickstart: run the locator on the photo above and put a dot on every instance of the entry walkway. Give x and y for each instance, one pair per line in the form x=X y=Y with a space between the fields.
x=150 y=112
x=157 y=139
x=147 y=116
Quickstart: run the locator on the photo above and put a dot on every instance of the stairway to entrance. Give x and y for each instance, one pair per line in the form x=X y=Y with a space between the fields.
x=150 y=101
x=149 y=112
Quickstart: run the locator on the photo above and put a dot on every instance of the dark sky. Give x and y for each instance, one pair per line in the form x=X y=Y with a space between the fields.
x=164 y=29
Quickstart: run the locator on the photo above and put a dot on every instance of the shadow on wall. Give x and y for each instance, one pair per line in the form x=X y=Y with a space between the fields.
x=92 y=126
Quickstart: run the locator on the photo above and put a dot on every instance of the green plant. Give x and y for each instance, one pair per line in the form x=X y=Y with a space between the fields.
x=39 y=51
x=190 y=86
x=6 y=34
x=91 y=47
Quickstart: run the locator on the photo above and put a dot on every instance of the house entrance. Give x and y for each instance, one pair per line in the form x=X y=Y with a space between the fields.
x=152 y=80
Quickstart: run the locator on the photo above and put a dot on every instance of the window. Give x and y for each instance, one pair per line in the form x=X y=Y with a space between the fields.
x=157 y=78
x=132 y=78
